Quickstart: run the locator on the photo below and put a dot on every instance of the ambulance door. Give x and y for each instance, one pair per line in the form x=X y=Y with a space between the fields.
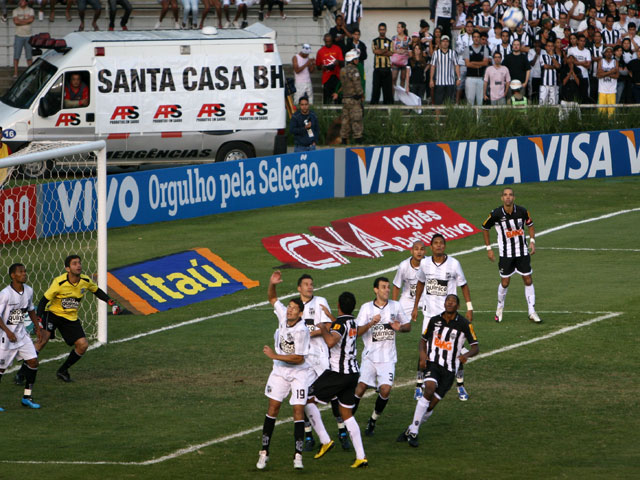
x=66 y=111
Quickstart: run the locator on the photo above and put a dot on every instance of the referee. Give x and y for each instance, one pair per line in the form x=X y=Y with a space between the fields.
x=510 y=220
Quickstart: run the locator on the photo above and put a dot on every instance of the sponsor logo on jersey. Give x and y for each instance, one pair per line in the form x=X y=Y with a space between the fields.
x=442 y=344
x=175 y=281
x=68 y=119
x=514 y=233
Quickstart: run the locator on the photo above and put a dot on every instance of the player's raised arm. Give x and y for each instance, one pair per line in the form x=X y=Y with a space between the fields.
x=276 y=278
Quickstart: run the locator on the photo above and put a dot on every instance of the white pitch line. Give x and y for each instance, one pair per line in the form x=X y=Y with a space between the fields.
x=591 y=249
x=340 y=282
x=215 y=441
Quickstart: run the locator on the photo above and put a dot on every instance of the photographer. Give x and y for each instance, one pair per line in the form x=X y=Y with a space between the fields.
x=304 y=127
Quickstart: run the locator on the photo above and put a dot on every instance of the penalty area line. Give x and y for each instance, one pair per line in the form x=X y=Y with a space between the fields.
x=215 y=441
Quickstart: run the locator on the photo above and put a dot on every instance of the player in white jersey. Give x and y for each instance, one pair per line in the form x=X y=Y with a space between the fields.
x=290 y=371
x=16 y=300
x=378 y=321
x=438 y=276
x=441 y=354
x=318 y=358
x=405 y=281
x=340 y=379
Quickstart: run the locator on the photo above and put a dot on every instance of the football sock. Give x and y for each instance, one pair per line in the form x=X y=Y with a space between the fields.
x=311 y=409
x=426 y=416
x=530 y=294
x=71 y=359
x=421 y=408
x=379 y=408
x=298 y=433
x=502 y=294
x=30 y=379
x=460 y=375
x=267 y=432
x=356 y=438
x=307 y=427
x=355 y=405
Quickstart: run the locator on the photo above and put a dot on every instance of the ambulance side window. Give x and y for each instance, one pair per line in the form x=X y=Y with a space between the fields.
x=76 y=89
x=51 y=103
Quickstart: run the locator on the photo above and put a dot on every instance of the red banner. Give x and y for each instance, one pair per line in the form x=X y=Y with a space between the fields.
x=18 y=214
x=368 y=235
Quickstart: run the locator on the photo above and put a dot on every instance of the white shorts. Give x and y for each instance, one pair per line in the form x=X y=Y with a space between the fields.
x=25 y=352
x=248 y=3
x=318 y=363
x=375 y=374
x=294 y=380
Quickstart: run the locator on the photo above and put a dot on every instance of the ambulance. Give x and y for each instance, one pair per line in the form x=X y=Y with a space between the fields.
x=174 y=96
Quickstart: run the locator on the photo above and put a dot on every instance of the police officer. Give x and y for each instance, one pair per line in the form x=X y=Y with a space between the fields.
x=352 y=97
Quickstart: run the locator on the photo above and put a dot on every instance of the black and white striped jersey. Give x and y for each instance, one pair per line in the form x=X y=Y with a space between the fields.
x=446 y=339
x=445 y=67
x=549 y=75
x=512 y=241
x=484 y=21
x=342 y=356
x=352 y=11
x=610 y=37
x=554 y=11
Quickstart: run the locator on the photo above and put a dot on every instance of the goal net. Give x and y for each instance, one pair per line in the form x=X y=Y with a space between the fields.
x=52 y=204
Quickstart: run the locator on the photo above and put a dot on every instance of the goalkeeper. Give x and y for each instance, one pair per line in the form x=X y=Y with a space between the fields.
x=58 y=309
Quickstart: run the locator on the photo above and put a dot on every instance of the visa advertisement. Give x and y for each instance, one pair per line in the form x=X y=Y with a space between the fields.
x=479 y=163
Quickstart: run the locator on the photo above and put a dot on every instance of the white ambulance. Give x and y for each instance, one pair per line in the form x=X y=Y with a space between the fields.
x=155 y=96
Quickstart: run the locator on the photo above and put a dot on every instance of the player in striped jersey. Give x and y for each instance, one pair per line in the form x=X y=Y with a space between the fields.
x=378 y=321
x=510 y=221
x=318 y=358
x=16 y=300
x=441 y=348
x=340 y=380
x=438 y=276
x=290 y=373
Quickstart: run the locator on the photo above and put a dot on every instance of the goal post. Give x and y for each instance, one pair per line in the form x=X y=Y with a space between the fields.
x=53 y=203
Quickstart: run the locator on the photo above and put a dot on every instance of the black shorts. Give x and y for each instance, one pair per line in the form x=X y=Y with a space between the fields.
x=443 y=93
x=70 y=330
x=441 y=376
x=510 y=265
x=333 y=384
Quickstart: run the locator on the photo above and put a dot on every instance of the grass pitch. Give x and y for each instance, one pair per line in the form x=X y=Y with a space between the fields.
x=561 y=407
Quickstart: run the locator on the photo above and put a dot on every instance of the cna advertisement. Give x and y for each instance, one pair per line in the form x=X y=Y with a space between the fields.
x=230 y=92
x=479 y=163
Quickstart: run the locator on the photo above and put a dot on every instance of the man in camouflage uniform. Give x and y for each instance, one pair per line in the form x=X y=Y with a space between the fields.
x=352 y=98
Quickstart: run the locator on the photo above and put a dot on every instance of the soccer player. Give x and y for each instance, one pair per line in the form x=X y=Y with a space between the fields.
x=290 y=371
x=314 y=316
x=441 y=354
x=340 y=380
x=510 y=220
x=378 y=321
x=59 y=310
x=438 y=276
x=15 y=301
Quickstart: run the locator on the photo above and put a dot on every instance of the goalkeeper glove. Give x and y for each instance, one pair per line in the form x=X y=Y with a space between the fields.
x=115 y=308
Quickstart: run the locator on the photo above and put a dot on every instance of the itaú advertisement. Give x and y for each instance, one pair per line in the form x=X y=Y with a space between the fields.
x=368 y=235
x=189 y=93
x=479 y=163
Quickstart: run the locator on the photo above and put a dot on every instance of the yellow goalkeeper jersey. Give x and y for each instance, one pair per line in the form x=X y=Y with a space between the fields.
x=65 y=297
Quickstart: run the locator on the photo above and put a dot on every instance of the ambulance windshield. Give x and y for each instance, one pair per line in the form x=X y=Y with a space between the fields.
x=26 y=88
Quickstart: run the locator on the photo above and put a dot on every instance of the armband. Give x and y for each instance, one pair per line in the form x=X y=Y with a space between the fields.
x=469 y=306
x=532 y=240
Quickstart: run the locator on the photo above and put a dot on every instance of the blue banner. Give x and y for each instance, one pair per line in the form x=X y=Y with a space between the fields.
x=479 y=163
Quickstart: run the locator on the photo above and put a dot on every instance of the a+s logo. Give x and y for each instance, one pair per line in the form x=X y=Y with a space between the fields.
x=129 y=112
x=166 y=111
x=252 y=109
x=67 y=119
x=212 y=109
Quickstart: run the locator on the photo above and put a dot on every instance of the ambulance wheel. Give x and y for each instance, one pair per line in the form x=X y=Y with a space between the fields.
x=37 y=169
x=234 y=151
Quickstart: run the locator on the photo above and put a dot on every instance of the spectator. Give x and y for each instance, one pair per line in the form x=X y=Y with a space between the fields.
x=610 y=36
x=477 y=58
x=444 y=73
x=554 y=10
x=597 y=53
x=517 y=97
x=329 y=60
x=504 y=47
x=352 y=99
x=303 y=67
x=382 y=51
x=549 y=65
x=23 y=17
x=97 y=10
x=354 y=43
x=418 y=79
x=570 y=79
x=425 y=36
x=623 y=73
x=575 y=12
x=460 y=19
x=435 y=39
x=166 y=4
x=485 y=21
x=536 y=73
x=271 y=3
x=113 y=6
x=352 y=11
x=242 y=9
x=318 y=5
x=635 y=40
x=474 y=9
x=400 y=58
x=445 y=15
x=582 y=60
x=339 y=33
x=633 y=14
x=462 y=42
x=532 y=16
x=622 y=25
x=634 y=74
x=518 y=65
x=607 y=80
x=304 y=127
x=207 y=6
x=67 y=12
x=76 y=93
x=497 y=78
x=559 y=27
x=189 y=8
x=494 y=36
